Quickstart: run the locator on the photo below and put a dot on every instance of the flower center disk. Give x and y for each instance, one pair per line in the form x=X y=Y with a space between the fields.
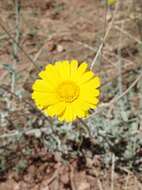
x=68 y=91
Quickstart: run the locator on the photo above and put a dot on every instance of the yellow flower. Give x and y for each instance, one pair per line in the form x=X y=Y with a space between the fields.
x=111 y=2
x=66 y=90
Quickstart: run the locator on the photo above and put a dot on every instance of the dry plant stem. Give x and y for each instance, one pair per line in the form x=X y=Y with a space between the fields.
x=137 y=19
x=15 y=47
x=128 y=35
x=117 y=56
x=20 y=47
x=131 y=173
x=54 y=176
x=112 y=172
x=120 y=87
x=17 y=31
x=120 y=65
x=26 y=102
x=140 y=105
x=99 y=184
x=16 y=96
x=13 y=80
x=73 y=186
x=116 y=99
x=128 y=89
x=85 y=125
x=96 y=175
x=105 y=36
x=127 y=181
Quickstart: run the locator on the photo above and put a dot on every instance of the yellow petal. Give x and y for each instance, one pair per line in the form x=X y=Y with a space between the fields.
x=42 y=86
x=50 y=75
x=86 y=77
x=68 y=115
x=44 y=99
x=77 y=109
x=63 y=68
x=95 y=82
x=56 y=109
x=44 y=74
x=88 y=91
x=73 y=67
x=81 y=69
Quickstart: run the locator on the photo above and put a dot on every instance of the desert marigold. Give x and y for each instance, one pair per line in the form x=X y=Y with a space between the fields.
x=111 y=2
x=66 y=90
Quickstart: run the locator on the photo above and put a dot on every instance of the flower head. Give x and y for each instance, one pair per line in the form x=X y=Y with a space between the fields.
x=66 y=90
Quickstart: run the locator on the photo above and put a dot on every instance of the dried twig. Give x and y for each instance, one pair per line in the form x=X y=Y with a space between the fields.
x=54 y=176
x=105 y=36
x=20 y=47
x=127 y=181
x=85 y=125
x=15 y=46
x=73 y=186
x=128 y=89
x=128 y=35
x=112 y=172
